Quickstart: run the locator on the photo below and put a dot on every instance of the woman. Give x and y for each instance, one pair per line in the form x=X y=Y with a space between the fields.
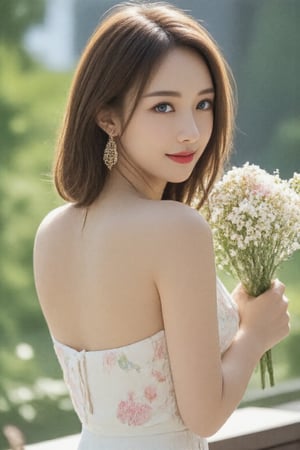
x=153 y=350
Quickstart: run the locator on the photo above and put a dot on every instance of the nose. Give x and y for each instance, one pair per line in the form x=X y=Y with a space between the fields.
x=189 y=129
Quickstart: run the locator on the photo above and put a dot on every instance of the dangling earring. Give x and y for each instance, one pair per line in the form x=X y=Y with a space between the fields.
x=110 y=155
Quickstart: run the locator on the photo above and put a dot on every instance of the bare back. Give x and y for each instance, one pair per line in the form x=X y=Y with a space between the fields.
x=95 y=282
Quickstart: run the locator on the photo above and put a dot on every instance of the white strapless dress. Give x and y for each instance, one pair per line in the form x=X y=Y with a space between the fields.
x=125 y=398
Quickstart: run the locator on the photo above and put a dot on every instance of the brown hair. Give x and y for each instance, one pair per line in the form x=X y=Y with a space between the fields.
x=122 y=54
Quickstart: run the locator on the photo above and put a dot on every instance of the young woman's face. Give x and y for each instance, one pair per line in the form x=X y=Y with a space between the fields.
x=174 y=116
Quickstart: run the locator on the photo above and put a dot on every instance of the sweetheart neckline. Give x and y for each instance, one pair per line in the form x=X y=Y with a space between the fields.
x=72 y=349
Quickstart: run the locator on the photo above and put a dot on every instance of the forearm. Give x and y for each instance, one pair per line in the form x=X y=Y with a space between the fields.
x=238 y=364
x=264 y=322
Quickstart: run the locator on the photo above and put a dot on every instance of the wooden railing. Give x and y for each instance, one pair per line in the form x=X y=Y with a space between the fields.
x=256 y=428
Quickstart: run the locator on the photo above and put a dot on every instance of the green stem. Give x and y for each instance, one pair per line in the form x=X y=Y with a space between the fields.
x=262 y=364
x=270 y=367
x=265 y=362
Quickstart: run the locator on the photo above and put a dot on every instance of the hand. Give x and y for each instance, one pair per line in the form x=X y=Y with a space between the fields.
x=265 y=318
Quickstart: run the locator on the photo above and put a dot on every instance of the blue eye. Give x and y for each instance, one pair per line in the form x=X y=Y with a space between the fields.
x=205 y=105
x=163 y=108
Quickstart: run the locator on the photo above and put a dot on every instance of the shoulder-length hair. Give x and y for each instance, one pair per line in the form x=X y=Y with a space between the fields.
x=122 y=54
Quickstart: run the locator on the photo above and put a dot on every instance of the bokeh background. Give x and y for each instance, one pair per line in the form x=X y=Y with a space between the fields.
x=40 y=42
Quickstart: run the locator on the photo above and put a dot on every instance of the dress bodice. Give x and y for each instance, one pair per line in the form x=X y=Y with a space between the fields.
x=128 y=391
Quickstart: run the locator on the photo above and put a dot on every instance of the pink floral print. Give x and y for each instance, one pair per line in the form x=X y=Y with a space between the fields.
x=160 y=350
x=159 y=376
x=150 y=393
x=133 y=413
x=109 y=360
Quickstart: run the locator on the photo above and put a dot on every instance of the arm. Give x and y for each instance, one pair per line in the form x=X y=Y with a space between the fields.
x=208 y=388
x=264 y=322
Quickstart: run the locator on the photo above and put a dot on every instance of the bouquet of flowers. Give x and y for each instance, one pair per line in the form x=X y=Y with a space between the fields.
x=294 y=183
x=255 y=221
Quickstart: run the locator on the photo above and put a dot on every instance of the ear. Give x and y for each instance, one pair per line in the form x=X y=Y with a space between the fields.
x=109 y=122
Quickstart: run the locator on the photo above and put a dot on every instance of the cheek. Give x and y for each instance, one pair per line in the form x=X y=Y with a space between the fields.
x=132 y=135
x=138 y=138
x=146 y=129
x=207 y=127
x=151 y=122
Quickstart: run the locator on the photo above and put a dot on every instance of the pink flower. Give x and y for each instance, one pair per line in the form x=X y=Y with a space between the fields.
x=160 y=350
x=158 y=375
x=133 y=413
x=261 y=189
x=109 y=360
x=150 y=393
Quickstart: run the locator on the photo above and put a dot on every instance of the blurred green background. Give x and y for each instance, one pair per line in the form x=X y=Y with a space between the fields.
x=32 y=100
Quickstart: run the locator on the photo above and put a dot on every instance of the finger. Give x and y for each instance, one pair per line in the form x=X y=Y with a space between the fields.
x=278 y=287
x=241 y=291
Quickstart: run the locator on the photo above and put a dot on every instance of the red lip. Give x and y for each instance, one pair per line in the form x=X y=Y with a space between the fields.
x=182 y=157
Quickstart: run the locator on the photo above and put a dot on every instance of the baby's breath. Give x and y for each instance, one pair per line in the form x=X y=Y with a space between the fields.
x=294 y=183
x=255 y=220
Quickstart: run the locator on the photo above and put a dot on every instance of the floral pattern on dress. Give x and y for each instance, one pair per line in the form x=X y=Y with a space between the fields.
x=158 y=375
x=127 y=365
x=109 y=361
x=160 y=350
x=132 y=412
x=228 y=317
x=139 y=408
x=150 y=393
x=133 y=386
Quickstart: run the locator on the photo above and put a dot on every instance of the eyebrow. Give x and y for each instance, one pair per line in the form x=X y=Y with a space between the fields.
x=209 y=90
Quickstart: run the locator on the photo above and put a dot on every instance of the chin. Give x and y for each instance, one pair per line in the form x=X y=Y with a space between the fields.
x=179 y=178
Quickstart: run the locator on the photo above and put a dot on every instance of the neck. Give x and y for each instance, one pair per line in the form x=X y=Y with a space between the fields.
x=126 y=181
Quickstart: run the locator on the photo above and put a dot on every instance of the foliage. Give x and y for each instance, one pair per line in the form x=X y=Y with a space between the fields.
x=30 y=120
x=285 y=144
x=269 y=88
x=15 y=18
x=33 y=396
x=24 y=182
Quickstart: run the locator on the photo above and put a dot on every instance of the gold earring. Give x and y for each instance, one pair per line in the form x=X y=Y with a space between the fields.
x=110 y=155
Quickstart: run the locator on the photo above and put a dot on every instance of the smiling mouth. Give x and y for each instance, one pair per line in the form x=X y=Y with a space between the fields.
x=182 y=157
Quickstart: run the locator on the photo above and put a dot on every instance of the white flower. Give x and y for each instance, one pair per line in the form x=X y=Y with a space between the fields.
x=255 y=220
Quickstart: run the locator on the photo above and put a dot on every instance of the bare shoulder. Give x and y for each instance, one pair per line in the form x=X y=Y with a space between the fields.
x=51 y=225
x=179 y=230
x=52 y=217
x=171 y=216
x=171 y=220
